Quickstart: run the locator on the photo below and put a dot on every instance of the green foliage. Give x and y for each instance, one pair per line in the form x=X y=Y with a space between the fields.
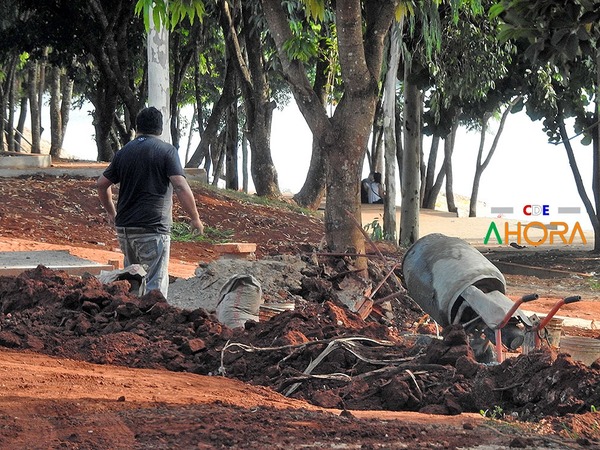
x=404 y=10
x=594 y=284
x=314 y=42
x=556 y=32
x=496 y=413
x=562 y=39
x=316 y=9
x=569 y=432
x=171 y=12
x=302 y=46
x=375 y=230
x=182 y=232
x=469 y=71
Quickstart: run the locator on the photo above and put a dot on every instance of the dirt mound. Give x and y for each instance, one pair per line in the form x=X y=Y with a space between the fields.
x=39 y=207
x=320 y=352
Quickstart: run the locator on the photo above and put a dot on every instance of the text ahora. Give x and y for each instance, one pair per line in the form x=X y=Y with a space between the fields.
x=559 y=233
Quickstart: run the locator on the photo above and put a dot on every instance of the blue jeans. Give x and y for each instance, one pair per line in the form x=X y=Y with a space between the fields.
x=152 y=251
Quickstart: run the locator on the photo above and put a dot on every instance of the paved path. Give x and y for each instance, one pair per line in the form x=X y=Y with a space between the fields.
x=475 y=229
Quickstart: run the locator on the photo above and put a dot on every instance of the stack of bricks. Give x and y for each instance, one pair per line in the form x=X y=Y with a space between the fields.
x=236 y=250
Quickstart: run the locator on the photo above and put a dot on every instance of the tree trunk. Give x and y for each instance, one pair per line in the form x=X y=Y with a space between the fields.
x=181 y=58
x=255 y=92
x=448 y=150
x=42 y=63
x=209 y=135
x=56 y=126
x=345 y=151
x=592 y=214
x=4 y=87
x=260 y=112
x=65 y=104
x=376 y=162
x=428 y=198
x=409 y=217
x=313 y=190
x=34 y=107
x=21 y=122
x=481 y=166
x=399 y=120
x=61 y=92
x=422 y=166
x=11 y=84
x=218 y=157
x=231 y=149
x=105 y=104
x=437 y=187
x=190 y=132
x=344 y=136
x=245 y=178
x=389 y=130
x=596 y=157
x=198 y=91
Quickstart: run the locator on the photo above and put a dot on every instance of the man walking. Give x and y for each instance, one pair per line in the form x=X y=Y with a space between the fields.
x=148 y=171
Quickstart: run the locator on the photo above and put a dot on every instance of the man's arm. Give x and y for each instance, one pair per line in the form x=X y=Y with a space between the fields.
x=104 y=187
x=186 y=198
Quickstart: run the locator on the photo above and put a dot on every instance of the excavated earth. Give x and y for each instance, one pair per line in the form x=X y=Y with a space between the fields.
x=92 y=365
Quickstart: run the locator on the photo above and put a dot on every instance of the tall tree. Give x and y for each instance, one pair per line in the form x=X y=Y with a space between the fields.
x=389 y=128
x=254 y=85
x=34 y=105
x=108 y=42
x=344 y=136
x=8 y=68
x=308 y=44
x=61 y=91
x=562 y=43
x=482 y=163
x=469 y=82
x=421 y=54
x=361 y=30
x=411 y=162
x=158 y=62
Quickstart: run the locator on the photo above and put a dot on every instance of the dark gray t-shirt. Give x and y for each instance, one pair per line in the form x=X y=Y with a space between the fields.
x=142 y=168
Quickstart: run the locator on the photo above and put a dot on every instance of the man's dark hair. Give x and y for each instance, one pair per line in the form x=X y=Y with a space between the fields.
x=149 y=121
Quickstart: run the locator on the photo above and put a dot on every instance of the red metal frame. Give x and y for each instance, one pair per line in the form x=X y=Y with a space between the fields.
x=537 y=327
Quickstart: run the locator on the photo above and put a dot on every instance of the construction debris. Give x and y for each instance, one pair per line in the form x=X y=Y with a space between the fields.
x=331 y=356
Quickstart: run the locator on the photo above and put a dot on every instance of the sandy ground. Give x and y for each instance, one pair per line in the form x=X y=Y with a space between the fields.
x=474 y=229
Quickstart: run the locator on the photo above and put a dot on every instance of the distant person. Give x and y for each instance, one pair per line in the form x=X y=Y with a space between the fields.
x=372 y=189
x=148 y=171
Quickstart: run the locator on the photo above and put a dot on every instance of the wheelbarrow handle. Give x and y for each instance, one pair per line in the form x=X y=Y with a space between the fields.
x=514 y=307
x=572 y=299
x=555 y=308
x=529 y=298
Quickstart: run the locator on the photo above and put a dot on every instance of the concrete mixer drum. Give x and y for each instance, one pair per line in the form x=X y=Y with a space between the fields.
x=455 y=284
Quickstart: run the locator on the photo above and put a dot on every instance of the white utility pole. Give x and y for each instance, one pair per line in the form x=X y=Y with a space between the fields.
x=158 y=74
